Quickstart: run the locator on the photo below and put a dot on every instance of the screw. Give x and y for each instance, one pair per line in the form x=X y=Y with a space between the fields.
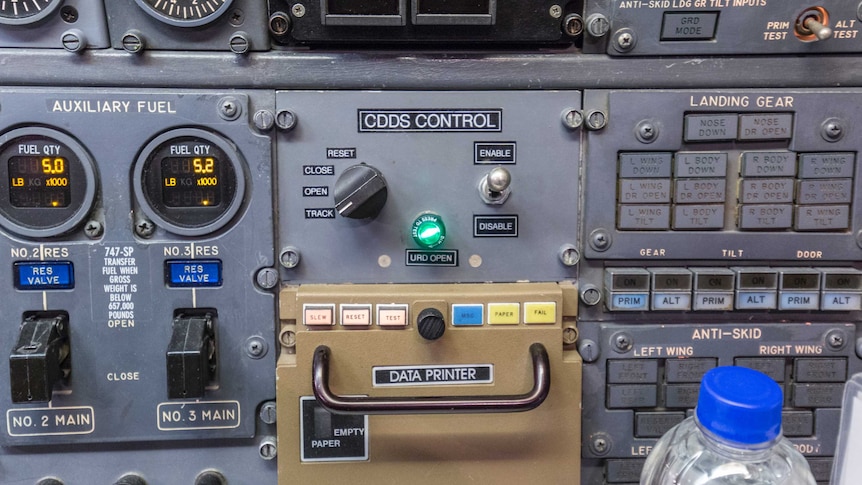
x=133 y=42
x=859 y=239
x=600 y=444
x=573 y=118
x=624 y=40
x=646 y=131
x=600 y=240
x=569 y=255
x=240 y=43
x=93 y=229
x=268 y=412
x=287 y=338
x=268 y=448
x=267 y=278
x=298 y=10
x=289 y=257
x=229 y=108
x=255 y=347
x=596 y=120
x=279 y=24
x=835 y=339
x=589 y=351
x=263 y=120
x=73 y=41
x=570 y=335
x=832 y=130
x=210 y=477
x=69 y=14
x=285 y=120
x=598 y=25
x=556 y=11
x=622 y=342
x=591 y=295
x=573 y=25
x=236 y=17
x=145 y=228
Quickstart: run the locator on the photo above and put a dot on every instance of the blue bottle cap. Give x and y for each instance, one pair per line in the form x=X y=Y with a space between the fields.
x=740 y=405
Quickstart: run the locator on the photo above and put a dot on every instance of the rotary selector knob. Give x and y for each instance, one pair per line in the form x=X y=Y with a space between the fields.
x=431 y=324
x=360 y=192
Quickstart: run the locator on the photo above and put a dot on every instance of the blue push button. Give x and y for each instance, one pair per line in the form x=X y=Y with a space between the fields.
x=467 y=315
x=193 y=273
x=44 y=275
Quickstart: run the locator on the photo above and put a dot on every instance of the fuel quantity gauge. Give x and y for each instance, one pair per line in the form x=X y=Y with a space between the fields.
x=21 y=12
x=185 y=13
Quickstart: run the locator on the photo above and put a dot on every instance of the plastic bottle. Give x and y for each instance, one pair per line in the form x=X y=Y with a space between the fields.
x=734 y=438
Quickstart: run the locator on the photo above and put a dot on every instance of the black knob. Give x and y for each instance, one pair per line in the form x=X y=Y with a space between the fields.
x=431 y=324
x=210 y=477
x=49 y=481
x=360 y=192
x=131 y=479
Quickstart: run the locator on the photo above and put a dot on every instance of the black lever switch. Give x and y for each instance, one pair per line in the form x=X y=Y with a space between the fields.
x=40 y=357
x=191 y=356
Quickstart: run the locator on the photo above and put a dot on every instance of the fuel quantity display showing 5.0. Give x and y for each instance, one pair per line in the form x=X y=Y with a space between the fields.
x=191 y=181
x=39 y=182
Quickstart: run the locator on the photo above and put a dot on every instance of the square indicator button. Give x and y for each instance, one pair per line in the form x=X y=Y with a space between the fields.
x=504 y=313
x=392 y=315
x=318 y=315
x=44 y=275
x=540 y=313
x=193 y=273
x=356 y=315
x=466 y=315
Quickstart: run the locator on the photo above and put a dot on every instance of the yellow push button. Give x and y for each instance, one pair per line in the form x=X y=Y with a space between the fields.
x=536 y=312
x=504 y=313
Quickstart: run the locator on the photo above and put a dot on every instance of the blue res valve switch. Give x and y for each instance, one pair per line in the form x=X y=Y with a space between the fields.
x=193 y=273
x=44 y=275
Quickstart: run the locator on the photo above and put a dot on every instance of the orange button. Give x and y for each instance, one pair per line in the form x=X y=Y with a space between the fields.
x=318 y=314
x=359 y=315
x=392 y=315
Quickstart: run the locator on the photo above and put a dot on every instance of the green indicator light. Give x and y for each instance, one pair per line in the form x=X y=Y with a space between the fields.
x=428 y=230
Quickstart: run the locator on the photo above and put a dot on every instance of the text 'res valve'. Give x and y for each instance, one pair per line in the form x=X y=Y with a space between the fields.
x=360 y=192
x=185 y=13
x=24 y=12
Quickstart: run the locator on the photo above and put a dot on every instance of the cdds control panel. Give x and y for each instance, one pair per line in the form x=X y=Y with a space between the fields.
x=391 y=241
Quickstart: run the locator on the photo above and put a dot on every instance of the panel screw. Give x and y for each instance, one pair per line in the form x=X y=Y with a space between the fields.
x=263 y=120
x=624 y=40
x=646 y=131
x=73 y=41
x=240 y=43
x=556 y=11
x=267 y=278
x=573 y=118
x=229 y=108
x=569 y=255
x=287 y=338
x=832 y=130
x=133 y=42
x=236 y=17
x=598 y=25
x=600 y=240
x=289 y=257
x=622 y=342
x=600 y=444
x=210 y=477
x=93 y=229
x=591 y=295
x=835 y=339
x=298 y=10
x=268 y=448
x=573 y=25
x=256 y=347
x=859 y=239
x=279 y=24
x=69 y=14
x=596 y=120
x=268 y=412
x=589 y=351
x=570 y=335
x=145 y=228
x=285 y=120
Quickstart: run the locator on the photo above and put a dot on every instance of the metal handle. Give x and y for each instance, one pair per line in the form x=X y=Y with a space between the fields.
x=432 y=404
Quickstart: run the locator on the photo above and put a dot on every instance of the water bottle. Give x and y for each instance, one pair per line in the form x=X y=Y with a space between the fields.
x=734 y=438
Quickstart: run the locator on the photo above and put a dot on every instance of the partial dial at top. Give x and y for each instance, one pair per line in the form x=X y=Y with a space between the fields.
x=185 y=13
x=20 y=12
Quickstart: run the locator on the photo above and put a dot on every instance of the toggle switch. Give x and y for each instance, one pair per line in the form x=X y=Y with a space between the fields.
x=40 y=357
x=191 y=356
x=494 y=186
x=813 y=25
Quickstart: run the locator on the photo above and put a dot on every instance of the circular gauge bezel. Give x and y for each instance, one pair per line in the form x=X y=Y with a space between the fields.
x=207 y=219
x=44 y=221
x=31 y=19
x=157 y=14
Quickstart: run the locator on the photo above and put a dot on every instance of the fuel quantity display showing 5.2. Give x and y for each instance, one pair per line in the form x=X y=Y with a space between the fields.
x=191 y=181
x=41 y=182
